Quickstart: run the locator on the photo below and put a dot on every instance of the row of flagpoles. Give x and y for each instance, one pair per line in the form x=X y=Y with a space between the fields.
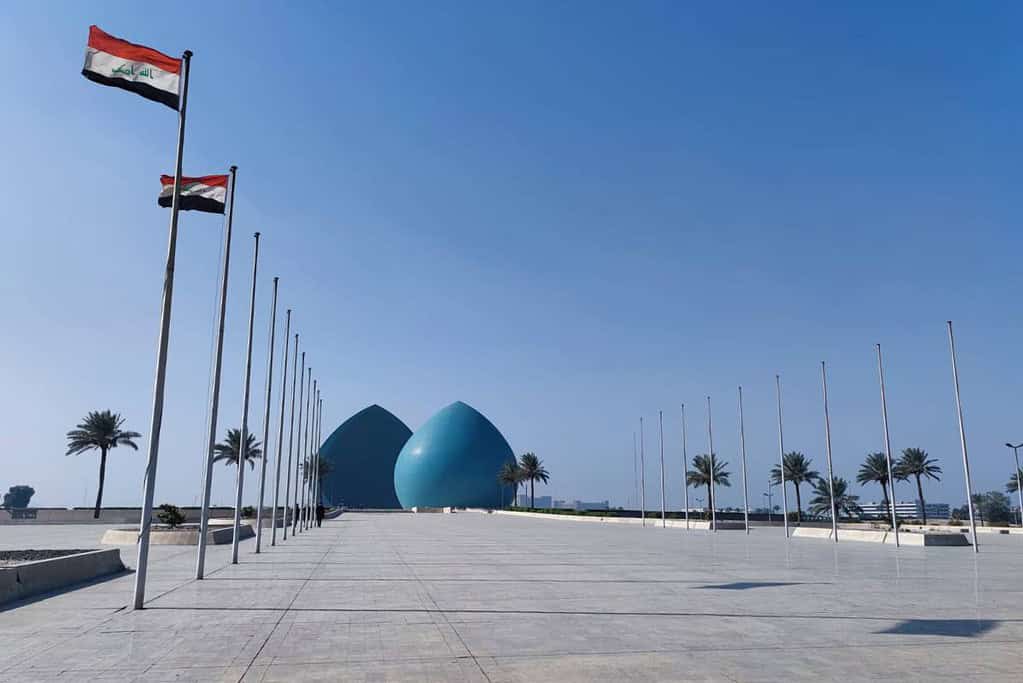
x=640 y=471
x=151 y=74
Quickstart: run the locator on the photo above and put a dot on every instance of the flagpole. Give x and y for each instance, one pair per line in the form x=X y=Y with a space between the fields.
x=962 y=439
x=316 y=458
x=308 y=463
x=685 y=468
x=266 y=417
x=291 y=434
x=781 y=456
x=742 y=450
x=207 y=477
x=887 y=447
x=642 y=474
x=319 y=443
x=827 y=441
x=660 y=422
x=314 y=504
x=298 y=446
x=243 y=436
x=156 y=423
x=635 y=472
x=280 y=431
x=309 y=456
x=713 y=492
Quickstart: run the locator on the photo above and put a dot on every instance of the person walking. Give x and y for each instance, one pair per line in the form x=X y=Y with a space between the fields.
x=320 y=512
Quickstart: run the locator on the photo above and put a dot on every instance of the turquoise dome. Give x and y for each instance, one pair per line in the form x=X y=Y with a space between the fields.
x=453 y=460
x=361 y=453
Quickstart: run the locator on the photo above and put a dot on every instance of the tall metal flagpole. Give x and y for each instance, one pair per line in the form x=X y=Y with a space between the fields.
x=307 y=484
x=244 y=435
x=642 y=475
x=298 y=446
x=291 y=434
x=887 y=447
x=266 y=417
x=207 y=475
x=781 y=457
x=316 y=454
x=962 y=438
x=827 y=442
x=742 y=451
x=319 y=443
x=280 y=431
x=711 y=468
x=660 y=423
x=149 y=484
x=635 y=472
x=316 y=458
x=303 y=442
x=685 y=468
x=309 y=456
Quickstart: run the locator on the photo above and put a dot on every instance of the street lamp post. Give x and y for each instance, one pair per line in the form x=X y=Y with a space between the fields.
x=1019 y=479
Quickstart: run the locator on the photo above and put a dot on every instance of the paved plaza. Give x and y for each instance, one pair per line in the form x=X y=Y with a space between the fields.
x=481 y=597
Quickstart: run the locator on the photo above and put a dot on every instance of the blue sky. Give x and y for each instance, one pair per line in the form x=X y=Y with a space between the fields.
x=567 y=215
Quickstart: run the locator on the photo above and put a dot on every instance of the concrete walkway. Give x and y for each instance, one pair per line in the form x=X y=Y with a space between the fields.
x=495 y=598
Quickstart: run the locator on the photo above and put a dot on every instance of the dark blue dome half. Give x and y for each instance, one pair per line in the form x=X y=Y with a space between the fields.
x=453 y=460
x=361 y=453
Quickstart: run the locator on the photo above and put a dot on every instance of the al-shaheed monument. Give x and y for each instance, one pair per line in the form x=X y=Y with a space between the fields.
x=377 y=462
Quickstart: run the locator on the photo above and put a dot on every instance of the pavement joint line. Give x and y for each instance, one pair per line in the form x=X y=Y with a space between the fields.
x=277 y=623
x=447 y=621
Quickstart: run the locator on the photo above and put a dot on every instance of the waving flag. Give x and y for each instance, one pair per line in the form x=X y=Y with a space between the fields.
x=142 y=70
x=206 y=193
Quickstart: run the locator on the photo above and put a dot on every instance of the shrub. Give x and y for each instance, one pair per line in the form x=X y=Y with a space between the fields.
x=18 y=496
x=248 y=511
x=171 y=515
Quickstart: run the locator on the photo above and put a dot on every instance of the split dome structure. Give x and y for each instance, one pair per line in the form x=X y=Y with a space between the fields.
x=452 y=460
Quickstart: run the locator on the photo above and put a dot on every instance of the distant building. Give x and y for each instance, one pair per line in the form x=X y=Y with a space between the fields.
x=582 y=505
x=540 y=501
x=909 y=510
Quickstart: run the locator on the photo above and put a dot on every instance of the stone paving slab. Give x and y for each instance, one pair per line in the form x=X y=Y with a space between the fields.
x=474 y=597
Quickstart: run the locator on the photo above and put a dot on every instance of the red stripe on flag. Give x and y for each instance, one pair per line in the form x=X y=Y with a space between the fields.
x=214 y=180
x=104 y=42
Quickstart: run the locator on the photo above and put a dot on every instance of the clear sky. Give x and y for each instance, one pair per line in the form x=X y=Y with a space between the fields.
x=568 y=215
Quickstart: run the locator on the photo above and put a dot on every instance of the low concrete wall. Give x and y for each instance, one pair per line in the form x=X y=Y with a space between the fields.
x=909 y=538
x=216 y=535
x=651 y=521
x=106 y=516
x=33 y=578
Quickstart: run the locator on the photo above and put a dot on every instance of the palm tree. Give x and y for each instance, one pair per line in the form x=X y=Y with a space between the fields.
x=700 y=475
x=875 y=469
x=1014 y=480
x=532 y=471
x=324 y=467
x=227 y=450
x=797 y=471
x=510 y=474
x=916 y=463
x=102 y=430
x=845 y=503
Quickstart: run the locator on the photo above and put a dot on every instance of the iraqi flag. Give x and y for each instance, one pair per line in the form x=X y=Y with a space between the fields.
x=207 y=193
x=142 y=70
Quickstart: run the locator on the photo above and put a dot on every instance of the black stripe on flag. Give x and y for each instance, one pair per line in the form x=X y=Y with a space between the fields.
x=192 y=203
x=143 y=89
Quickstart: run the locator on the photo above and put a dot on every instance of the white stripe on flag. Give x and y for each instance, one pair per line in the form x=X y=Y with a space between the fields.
x=111 y=66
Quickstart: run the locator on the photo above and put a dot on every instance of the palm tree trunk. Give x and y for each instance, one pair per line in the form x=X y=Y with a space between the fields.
x=799 y=504
x=887 y=505
x=102 y=476
x=920 y=490
x=532 y=499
